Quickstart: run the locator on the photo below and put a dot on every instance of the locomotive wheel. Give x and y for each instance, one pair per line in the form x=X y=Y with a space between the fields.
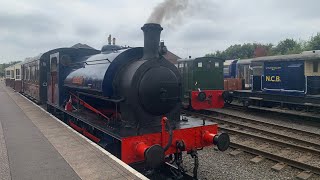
x=245 y=103
x=228 y=101
x=227 y=97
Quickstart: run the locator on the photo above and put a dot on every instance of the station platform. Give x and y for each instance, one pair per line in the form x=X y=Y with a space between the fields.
x=35 y=145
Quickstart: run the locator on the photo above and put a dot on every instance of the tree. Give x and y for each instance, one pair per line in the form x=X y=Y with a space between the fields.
x=244 y=51
x=314 y=43
x=287 y=46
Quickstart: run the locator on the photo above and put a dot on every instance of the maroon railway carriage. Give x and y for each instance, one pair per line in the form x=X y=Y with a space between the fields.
x=36 y=69
x=13 y=77
x=17 y=77
x=9 y=76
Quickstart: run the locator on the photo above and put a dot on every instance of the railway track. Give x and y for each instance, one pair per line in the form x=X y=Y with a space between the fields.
x=306 y=116
x=295 y=147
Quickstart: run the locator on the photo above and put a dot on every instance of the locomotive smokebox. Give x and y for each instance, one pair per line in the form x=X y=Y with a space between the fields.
x=151 y=33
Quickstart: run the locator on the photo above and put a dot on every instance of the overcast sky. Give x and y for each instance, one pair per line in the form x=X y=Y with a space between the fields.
x=29 y=27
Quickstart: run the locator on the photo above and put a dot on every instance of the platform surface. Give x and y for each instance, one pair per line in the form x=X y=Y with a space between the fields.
x=35 y=145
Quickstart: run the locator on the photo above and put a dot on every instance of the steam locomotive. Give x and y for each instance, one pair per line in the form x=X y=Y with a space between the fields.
x=127 y=100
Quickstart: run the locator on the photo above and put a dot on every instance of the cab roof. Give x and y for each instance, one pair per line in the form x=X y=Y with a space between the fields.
x=201 y=58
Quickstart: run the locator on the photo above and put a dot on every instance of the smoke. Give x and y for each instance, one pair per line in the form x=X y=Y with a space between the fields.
x=169 y=12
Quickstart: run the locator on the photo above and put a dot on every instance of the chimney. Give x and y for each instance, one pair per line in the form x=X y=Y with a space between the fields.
x=151 y=33
x=109 y=39
x=113 y=41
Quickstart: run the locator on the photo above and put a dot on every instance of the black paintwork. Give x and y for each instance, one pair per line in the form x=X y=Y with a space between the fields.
x=149 y=85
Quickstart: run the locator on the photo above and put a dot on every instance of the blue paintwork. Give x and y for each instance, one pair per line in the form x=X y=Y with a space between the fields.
x=233 y=69
x=313 y=85
x=99 y=75
x=229 y=71
x=284 y=77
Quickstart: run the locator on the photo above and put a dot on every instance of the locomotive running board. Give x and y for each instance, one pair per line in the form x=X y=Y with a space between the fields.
x=97 y=126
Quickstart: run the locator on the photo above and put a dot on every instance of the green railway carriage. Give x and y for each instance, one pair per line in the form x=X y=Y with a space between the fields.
x=202 y=82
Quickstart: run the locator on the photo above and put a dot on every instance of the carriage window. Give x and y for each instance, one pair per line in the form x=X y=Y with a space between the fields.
x=12 y=73
x=315 y=66
x=37 y=73
x=53 y=66
x=8 y=74
x=181 y=65
x=29 y=71
x=33 y=72
x=199 y=64
x=216 y=64
x=17 y=73
x=26 y=73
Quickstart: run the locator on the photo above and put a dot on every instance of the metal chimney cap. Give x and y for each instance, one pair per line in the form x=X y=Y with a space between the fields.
x=151 y=25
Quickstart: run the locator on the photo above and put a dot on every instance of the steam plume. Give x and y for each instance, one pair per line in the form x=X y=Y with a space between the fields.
x=167 y=11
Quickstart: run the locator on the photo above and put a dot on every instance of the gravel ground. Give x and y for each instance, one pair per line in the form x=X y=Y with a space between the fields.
x=283 y=121
x=221 y=166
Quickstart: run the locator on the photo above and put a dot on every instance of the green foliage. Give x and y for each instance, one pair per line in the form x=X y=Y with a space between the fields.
x=287 y=46
x=313 y=43
x=244 y=51
x=251 y=50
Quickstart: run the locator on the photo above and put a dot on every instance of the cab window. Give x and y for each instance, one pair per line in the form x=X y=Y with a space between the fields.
x=315 y=66
x=17 y=73
x=12 y=73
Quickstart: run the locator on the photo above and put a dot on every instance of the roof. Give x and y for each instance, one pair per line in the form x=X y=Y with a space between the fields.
x=30 y=59
x=290 y=57
x=18 y=65
x=228 y=62
x=312 y=51
x=198 y=58
x=79 y=45
x=9 y=68
x=245 y=61
x=171 y=57
x=13 y=66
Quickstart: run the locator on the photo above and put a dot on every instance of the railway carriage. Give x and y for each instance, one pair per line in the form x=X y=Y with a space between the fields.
x=9 y=79
x=286 y=80
x=37 y=69
x=17 y=77
x=13 y=77
x=231 y=80
x=202 y=82
x=33 y=82
x=229 y=70
x=244 y=72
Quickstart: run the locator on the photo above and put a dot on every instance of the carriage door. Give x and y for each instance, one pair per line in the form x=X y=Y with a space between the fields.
x=53 y=86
